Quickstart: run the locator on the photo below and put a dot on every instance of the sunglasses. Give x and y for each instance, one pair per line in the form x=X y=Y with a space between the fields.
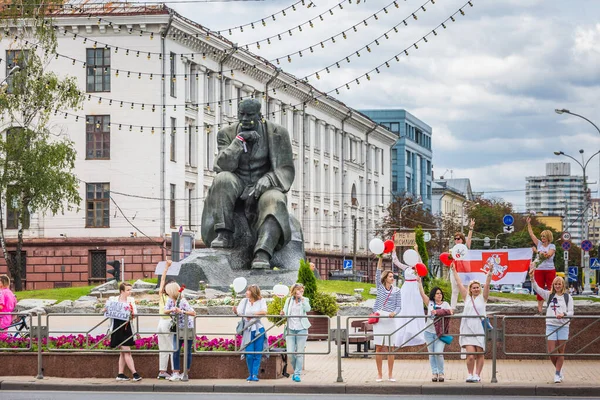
x=457 y=238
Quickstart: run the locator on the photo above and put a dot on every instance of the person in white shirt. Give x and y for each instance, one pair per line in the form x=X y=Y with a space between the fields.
x=296 y=306
x=545 y=272
x=253 y=336
x=560 y=306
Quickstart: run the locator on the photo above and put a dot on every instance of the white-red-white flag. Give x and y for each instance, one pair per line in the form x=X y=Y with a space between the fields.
x=509 y=266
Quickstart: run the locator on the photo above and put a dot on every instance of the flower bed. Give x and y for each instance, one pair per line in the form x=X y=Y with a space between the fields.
x=72 y=365
x=102 y=342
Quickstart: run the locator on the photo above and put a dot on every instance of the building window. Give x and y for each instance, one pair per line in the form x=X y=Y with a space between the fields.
x=97 y=145
x=14 y=58
x=98 y=264
x=173 y=79
x=190 y=210
x=207 y=146
x=172 y=206
x=12 y=213
x=173 y=138
x=13 y=259
x=408 y=164
x=98 y=70
x=395 y=127
x=98 y=205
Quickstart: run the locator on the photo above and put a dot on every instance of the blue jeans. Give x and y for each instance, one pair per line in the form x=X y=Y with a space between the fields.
x=296 y=344
x=435 y=345
x=253 y=360
x=177 y=353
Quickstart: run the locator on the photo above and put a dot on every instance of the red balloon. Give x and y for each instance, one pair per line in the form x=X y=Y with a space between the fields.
x=388 y=246
x=446 y=259
x=421 y=269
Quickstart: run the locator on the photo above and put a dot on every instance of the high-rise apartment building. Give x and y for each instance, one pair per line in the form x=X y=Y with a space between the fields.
x=411 y=155
x=558 y=193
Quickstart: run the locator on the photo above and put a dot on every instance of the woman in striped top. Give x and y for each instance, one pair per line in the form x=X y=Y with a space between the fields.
x=387 y=303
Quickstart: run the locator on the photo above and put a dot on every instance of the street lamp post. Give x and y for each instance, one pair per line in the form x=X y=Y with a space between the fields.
x=418 y=203
x=12 y=71
x=586 y=205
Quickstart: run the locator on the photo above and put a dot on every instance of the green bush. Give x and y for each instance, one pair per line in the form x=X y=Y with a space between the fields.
x=274 y=308
x=325 y=304
x=442 y=284
x=307 y=278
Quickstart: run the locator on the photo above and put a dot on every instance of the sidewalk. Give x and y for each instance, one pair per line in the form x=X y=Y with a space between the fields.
x=515 y=378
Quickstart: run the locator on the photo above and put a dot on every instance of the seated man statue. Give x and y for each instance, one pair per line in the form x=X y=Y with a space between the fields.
x=255 y=166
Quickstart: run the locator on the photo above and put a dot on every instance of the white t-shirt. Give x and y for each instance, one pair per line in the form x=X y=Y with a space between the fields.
x=246 y=308
x=430 y=326
x=548 y=264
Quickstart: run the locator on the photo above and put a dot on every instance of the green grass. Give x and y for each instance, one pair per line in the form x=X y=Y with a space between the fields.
x=72 y=293
x=594 y=299
x=345 y=287
x=514 y=296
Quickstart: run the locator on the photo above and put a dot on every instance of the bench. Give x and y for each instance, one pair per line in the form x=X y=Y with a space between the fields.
x=361 y=336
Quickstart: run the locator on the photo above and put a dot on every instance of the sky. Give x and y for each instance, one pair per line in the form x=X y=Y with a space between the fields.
x=488 y=84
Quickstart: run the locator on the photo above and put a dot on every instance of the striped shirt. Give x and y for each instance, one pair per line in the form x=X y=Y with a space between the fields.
x=393 y=302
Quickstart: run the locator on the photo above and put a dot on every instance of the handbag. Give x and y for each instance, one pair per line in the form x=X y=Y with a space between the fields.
x=239 y=329
x=374 y=316
x=173 y=325
x=446 y=339
x=485 y=321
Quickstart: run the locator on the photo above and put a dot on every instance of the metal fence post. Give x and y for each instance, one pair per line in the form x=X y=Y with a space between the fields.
x=185 y=378
x=338 y=338
x=494 y=349
x=40 y=374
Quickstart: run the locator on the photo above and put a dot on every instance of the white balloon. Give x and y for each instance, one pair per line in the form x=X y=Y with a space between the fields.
x=459 y=251
x=239 y=284
x=411 y=257
x=280 y=290
x=376 y=246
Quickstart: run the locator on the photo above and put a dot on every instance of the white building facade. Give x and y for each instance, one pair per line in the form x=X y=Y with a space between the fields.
x=158 y=88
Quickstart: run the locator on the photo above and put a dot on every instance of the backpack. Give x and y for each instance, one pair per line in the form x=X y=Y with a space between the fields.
x=565 y=295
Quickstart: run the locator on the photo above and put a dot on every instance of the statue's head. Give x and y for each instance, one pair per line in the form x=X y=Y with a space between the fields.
x=249 y=114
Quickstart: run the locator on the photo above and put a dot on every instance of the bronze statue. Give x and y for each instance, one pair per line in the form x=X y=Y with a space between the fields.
x=255 y=169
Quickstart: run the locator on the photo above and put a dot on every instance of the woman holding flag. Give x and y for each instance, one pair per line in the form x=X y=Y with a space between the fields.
x=472 y=335
x=459 y=238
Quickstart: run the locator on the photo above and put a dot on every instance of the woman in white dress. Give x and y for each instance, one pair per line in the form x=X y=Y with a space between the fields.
x=411 y=329
x=472 y=336
x=387 y=303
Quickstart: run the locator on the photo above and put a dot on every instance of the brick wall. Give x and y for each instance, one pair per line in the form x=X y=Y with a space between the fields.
x=56 y=262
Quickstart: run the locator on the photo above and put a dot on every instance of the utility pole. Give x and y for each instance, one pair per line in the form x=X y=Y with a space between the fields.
x=354 y=243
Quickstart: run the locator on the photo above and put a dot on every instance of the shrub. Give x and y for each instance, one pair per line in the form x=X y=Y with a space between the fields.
x=274 y=308
x=324 y=303
x=307 y=278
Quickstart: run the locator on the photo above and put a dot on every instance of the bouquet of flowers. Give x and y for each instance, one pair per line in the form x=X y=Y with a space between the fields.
x=173 y=327
x=540 y=258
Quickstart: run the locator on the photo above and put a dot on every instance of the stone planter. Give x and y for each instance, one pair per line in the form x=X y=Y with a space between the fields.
x=103 y=365
x=319 y=326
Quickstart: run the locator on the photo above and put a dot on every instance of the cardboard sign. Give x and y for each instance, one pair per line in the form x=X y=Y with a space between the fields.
x=117 y=310
x=405 y=239
x=173 y=269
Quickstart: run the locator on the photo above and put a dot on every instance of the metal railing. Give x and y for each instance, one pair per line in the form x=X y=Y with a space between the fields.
x=40 y=327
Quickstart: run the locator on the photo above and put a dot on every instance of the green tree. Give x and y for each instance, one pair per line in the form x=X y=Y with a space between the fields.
x=36 y=158
x=307 y=278
x=422 y=249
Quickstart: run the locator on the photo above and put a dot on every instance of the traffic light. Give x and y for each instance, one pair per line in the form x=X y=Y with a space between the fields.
x=116 y=271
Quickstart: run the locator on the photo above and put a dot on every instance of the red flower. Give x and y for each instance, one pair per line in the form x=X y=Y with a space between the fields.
x=182 y=288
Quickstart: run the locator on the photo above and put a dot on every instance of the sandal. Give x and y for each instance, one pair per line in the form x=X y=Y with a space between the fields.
x=441 y=378
x=434 y=378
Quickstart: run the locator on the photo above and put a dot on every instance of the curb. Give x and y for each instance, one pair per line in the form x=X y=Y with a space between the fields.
x=333 y=388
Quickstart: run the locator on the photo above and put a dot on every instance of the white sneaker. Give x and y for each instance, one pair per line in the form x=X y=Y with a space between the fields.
x=469 y=378
x=562 y=376
x=476 y=378
x=557 y=378
x=175 y=377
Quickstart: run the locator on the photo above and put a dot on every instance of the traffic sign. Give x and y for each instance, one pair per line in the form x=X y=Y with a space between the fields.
x=586 y=245
x=509 y=228
x=347 y=264
x=595 y=263
x=566 y=255
x=566 y=236
x=572 y=273
x=426 y=236
x=508 y=219
x=566 y=246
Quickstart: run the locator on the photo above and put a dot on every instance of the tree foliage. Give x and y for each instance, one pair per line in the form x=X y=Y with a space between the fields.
x=307 y=278
x=36 y=158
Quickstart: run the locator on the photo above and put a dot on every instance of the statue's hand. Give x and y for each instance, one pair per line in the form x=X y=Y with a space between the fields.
x=263 y=184
x=249 y=136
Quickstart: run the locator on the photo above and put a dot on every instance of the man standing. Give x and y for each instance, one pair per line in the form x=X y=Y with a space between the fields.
x=254 y=165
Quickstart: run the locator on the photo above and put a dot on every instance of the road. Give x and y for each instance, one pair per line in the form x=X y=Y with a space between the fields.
x=223 y=396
